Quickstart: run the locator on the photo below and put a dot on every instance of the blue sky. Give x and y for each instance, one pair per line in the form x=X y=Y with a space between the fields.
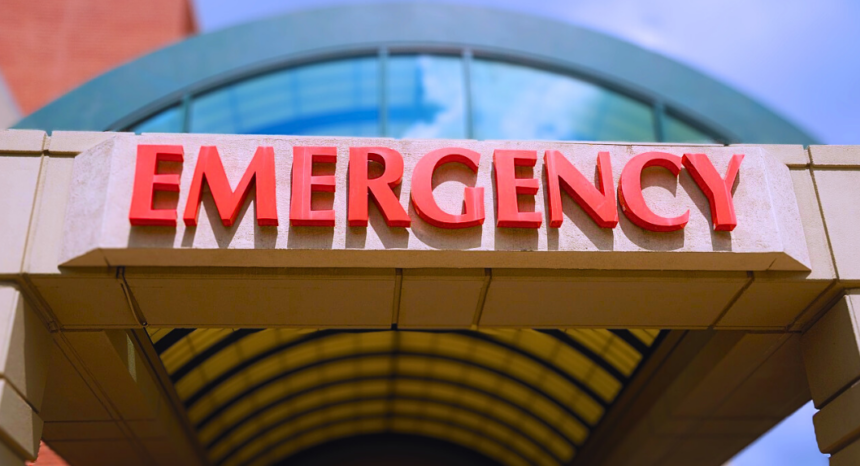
x=799 y=57
x=791 y=443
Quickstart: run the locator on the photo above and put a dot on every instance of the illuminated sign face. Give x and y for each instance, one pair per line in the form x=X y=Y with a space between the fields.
x=284 y=201
x=561 y=176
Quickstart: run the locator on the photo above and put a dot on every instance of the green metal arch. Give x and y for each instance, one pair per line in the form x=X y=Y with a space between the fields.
x=155 y=81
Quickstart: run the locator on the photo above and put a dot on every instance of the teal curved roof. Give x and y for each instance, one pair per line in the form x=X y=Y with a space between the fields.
x=153 y=82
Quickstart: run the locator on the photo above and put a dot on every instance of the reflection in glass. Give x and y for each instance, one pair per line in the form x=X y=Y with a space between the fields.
x=517 y=102
x=339 y=98
x=425 y=97
x=675 y=130
x=168 y=121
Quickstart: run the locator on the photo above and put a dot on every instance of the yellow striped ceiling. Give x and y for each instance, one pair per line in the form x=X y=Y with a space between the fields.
x=520 y=397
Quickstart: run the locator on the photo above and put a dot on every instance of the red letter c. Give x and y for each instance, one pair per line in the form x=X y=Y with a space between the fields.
x=630 y=192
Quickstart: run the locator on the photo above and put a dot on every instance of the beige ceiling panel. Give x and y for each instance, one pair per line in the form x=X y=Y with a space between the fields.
x=264 y=297
x=750 y=426
x=168 y=452
x=86 y=300
x=67 y=396
x=772 y=301
x=80 y=430
x=702 y=449
x=112 y=360
x=99 y=452
x=776 y=387
x=440 y=298
x=593 y=299
x=701 y=399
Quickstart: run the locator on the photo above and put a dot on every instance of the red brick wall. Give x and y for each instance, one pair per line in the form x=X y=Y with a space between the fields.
x=49 y=47
x=47 y=457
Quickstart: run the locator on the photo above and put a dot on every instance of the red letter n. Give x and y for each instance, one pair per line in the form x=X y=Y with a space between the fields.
x=209 y=168
x=147 y=182
x=598 y=203
x=508 y=187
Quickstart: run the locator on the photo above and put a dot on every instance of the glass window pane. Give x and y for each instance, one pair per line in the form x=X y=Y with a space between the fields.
x=517 y=102
x=676 y=130
x=336 y=98
x=425 y=97
x=168 y=121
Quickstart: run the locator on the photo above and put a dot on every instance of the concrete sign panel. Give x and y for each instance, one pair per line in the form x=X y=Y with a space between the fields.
x=280 y=201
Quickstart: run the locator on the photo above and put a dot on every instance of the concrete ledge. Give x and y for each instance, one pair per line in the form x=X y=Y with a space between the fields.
x=25 y=347
x=840 y=205
x=838 y=422
x=848 y=456
x=19 y=179
x=835 y=156
x=22 y=141
x=10 y=456
x=831 y=351
x=75 y=142
x=20 y=427
x=792 y=155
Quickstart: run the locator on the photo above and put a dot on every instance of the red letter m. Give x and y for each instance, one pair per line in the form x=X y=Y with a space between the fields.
x=229 y=202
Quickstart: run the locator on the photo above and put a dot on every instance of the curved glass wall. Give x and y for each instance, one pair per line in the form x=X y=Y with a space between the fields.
x=422 y=96
x=425 y=97
x=518 y=102
x=330 y=98
x=167 y=121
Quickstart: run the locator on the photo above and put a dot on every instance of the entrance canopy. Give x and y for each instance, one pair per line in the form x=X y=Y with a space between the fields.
x=647 y=318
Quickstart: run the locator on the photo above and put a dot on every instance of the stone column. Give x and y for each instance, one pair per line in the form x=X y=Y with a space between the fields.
x=24 y=353
x=831 y=353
